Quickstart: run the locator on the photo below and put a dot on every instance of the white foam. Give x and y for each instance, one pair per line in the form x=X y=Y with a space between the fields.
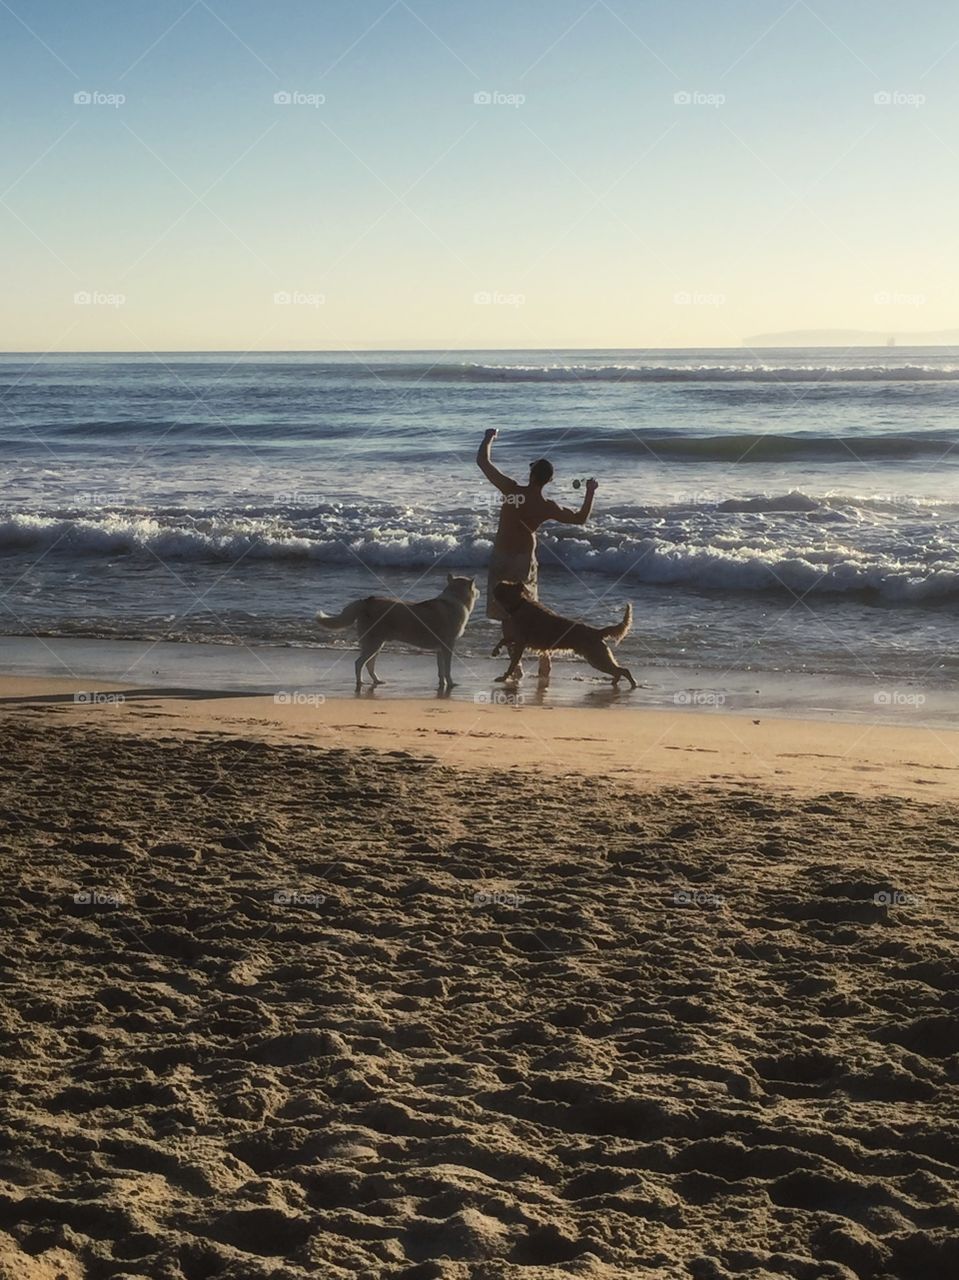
x=787 y=543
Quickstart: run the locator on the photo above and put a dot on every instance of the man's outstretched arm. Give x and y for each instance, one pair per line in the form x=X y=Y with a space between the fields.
x=566 y=515
x=493 y=474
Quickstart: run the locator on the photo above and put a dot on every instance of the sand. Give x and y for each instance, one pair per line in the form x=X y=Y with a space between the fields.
x=611 y=736
x=280 y=1004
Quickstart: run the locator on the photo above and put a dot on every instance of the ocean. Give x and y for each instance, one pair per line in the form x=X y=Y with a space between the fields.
x=783 y=510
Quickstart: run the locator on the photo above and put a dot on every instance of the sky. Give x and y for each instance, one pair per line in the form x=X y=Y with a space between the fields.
x=377 y=174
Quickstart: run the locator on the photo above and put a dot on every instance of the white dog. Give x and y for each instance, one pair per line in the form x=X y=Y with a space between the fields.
x=432 y=624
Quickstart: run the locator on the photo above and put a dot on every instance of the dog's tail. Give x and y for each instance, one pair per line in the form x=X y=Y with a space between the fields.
x=621 y=629
x=341 y=621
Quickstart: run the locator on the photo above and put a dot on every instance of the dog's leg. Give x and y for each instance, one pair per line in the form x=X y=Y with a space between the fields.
x=368 y=651
x=371 y=666
x=444 y=660
x=514 y=671
x=545 y=667
x=506 y=640
x=602 y=659
x=442 y=668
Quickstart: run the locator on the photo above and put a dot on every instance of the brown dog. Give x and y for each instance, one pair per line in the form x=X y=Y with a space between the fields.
x=533 y=626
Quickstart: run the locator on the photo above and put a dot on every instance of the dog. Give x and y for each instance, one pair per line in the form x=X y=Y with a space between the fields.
x=533 y=626
x=432 y=624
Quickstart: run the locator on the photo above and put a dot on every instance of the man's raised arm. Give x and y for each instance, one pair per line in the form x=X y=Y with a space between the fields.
x=566 y=515
x=493 y=474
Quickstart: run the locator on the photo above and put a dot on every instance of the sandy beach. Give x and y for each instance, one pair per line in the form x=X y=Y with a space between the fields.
x=386 y=988
x=352 y=349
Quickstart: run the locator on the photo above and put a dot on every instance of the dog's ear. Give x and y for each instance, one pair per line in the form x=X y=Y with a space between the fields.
x=449 y=579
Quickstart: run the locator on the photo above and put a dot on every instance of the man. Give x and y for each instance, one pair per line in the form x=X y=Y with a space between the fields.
x=523 y=510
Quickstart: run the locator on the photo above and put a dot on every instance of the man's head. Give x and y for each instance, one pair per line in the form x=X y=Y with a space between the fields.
x=540 y=472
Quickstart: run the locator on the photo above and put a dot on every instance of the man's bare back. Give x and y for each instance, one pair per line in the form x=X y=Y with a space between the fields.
x=521 y=514
x=525 y=507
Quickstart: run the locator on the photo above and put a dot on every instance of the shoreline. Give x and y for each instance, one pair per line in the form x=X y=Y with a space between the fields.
x=327 y=671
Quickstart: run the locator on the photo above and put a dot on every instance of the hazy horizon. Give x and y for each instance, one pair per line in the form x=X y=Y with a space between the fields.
x=433 y=350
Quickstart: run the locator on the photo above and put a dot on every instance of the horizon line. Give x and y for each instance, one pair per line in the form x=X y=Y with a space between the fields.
x=346 y=351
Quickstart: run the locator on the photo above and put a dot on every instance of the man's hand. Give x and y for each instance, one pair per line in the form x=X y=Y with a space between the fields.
x=490 y=436
x=592 y=485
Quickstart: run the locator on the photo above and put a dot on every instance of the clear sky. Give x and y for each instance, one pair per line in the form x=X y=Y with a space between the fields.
x=581 y=204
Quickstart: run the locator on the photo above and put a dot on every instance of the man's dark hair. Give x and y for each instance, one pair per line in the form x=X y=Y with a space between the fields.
x=541 y=471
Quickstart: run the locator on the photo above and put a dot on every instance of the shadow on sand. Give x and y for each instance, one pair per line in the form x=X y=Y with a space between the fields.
x=95 y=697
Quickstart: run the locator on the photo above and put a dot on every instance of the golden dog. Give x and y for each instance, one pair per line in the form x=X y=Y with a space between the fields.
x=533 y=626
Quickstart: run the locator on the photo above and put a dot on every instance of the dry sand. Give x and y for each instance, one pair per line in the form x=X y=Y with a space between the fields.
x=287 y=1009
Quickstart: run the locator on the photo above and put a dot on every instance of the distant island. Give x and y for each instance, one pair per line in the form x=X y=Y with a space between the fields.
x=854 y=338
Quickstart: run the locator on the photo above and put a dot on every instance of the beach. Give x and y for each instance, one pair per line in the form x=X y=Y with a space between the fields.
x=520 y=982
x=334 y=330
x=395 y=987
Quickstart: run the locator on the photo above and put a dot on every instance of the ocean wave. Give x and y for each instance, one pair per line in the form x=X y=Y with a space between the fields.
x=404 y=442
x=732 y=372
x=233 y=540
x=743 y=448
x=779 y=544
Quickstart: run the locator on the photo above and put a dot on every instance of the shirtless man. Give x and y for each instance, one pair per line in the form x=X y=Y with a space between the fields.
x=523 y=510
